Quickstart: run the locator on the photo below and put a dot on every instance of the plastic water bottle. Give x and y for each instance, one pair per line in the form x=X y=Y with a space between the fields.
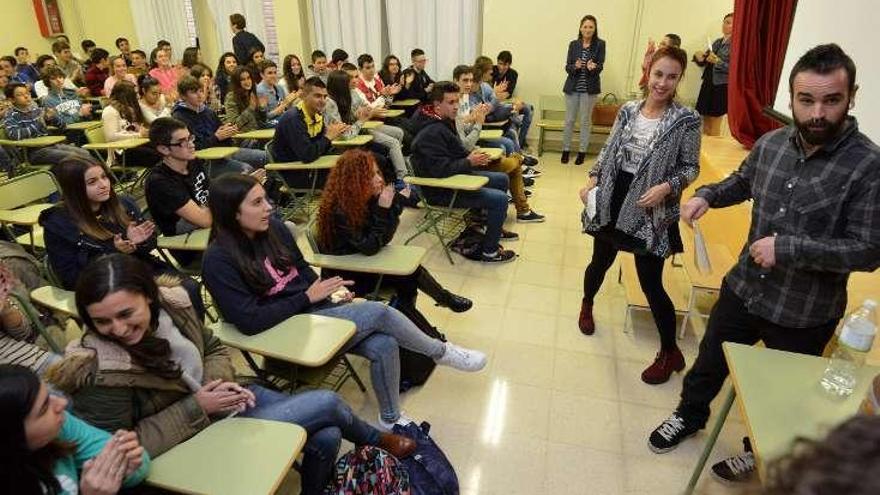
x=853 y=344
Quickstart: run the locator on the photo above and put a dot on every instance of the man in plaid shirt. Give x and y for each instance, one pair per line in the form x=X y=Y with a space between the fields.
x=815 y=187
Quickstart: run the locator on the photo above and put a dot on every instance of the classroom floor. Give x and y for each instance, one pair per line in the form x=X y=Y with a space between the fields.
x=554 y=411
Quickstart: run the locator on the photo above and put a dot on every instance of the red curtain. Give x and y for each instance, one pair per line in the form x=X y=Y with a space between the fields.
x=760 y=37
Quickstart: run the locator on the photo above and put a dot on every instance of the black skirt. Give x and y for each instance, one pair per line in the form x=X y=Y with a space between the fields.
x=713 y=97
x=623 y=241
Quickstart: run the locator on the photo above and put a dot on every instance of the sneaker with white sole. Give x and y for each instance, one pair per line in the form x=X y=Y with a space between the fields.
x=402 y=420
x=737 y=469
x=461 y=358
x=529 y=217
x=670 y=433
x=530 y=173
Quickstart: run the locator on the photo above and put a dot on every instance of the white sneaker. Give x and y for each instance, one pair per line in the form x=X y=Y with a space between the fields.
x=462 y=359
x=402 y=420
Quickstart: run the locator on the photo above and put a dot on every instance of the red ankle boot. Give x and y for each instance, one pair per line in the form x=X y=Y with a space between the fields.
x=585 y=320
x=664 y=365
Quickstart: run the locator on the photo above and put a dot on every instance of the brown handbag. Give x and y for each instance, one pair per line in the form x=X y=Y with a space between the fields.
x=606 y=110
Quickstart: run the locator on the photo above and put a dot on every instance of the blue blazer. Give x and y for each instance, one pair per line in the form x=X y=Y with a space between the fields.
x=594 y=86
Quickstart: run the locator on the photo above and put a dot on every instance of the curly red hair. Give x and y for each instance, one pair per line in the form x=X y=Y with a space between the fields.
x=348 y=189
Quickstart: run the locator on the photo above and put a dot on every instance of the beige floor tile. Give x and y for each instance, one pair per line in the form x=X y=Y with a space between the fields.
x=650 y=474
x=449 y=394
x=534 y=298
x=512 y=465
x=572 y=278
x=570 y=338
x=570 y=302
x=577 y=257
x=482 y=319
x=515 y=409
x=545 y=233
x=486 y=292
x=528 y=327
x=586 y=421
x=542 y=252
x=524 y=364
x=633 y=389
x=489 y=271
x=537 y=273
x=585 y=374
x=574 y=470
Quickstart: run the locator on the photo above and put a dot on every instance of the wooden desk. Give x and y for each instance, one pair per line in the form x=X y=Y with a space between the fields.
x=494 y=153
x=56 y=299
x=304 y=339
x=37 y=142
x=491 y=134
x=197 y=240
x=259 y=134
x=112 y=146
x=780 y=399
x=232 y=456
x=216 y=153
x=460 y=182
x=359 y=140
x=371 y=124
x=390 y=260
x=405 y=103
x=83 y=126
x=26 y=215
x=322 y=163
x=392 y=112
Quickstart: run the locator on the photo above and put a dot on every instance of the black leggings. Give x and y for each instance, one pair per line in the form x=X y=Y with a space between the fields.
x=650 y=271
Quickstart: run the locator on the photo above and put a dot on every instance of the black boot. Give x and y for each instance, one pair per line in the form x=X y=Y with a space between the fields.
x=564 y=158
x=580 y=158
x=455 y=303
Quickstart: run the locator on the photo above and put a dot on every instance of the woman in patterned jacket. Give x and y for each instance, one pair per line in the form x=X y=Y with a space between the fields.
x=650 y=157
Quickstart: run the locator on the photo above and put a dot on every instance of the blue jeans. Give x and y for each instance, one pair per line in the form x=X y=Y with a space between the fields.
x=504 y=142
x=325 y=417
x=525 y=123
x=380 y=329
x=493 y=198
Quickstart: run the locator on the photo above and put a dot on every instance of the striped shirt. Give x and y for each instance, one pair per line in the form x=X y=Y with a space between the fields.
x=586 y=54
x=22 y=353
x=823 y=210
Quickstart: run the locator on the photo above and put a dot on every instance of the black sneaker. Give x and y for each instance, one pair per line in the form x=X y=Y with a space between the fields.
x=530 y=173
x=669 y=434
x=528 y=182
x=499 y=256
x=737 y=469
x=527 y=193
x=529 y=217
x=507 y=235
x=529 y=160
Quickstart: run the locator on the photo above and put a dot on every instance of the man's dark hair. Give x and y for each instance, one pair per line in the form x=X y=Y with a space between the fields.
x=162 y=43
x=119 y=41
x=238 y=21
x=416 y=52
x=505 y=57
x=348 y=66
x=139 y=52
x=318 y=54
x=338 y=55
x=50 y=73
x=10 y=59
x=441 y=89
x=824 y=59
x=19 y=49
x=162 y=128
x=87 y=44
x=313 y=82
x=461 y=70
x=364 y=59
x=10 y=89
x=265 y=64
x=98 y=54
x=42 y=60
x=728 y=15
x=59 y=46
x=675 y=39
x=188 y=84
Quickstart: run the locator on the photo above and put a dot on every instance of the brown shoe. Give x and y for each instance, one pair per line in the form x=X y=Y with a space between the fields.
x=585 y=320
x=397 y=445
x=663 y=366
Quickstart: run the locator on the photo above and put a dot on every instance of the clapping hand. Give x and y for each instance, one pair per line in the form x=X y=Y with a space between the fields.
x=386 y=196
x=478 y=158
x=579 y=64
x=139 y=233
x=592 y=65
x=363 y=113
x=103 y=474
x=321 y=289
x=123 y=245
x=335 y=130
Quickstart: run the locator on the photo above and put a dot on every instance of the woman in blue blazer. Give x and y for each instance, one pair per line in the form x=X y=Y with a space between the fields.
x=584 y=63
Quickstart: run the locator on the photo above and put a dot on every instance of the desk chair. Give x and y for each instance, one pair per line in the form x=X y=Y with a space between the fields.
x=304 y=199
x=22 y=199
x=19 y=150
x=106 y=152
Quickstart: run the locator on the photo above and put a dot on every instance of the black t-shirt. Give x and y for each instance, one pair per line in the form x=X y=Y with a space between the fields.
x=167 y=191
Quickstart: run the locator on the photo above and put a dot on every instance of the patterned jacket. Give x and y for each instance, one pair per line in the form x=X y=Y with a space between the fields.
x=673 y=156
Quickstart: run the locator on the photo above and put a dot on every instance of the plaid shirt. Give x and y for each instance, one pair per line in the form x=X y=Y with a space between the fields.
x=823 y=209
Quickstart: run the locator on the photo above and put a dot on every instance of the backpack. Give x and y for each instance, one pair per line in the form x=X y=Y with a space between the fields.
x=430 y=472
x=469 y=243
x=369 y=470
x=416 y=368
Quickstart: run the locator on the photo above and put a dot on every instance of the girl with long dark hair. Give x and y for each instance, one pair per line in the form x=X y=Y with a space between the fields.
x=293 y=74
x=259 y=278
x=93 y=221
x=225 y=67
x=244 y=108
x=391 y=70
x=147 y=363
x=583 y=64
x=152 y=101
x=45 y=450
x=123 y=119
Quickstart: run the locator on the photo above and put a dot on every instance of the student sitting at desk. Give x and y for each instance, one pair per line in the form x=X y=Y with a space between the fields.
x=45 y=449
x=146 y=363
x=63 y=100
x=93 y=221
x=259 y=278
x=359 y=213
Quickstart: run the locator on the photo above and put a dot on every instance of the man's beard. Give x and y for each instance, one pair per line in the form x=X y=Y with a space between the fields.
x=819 y=131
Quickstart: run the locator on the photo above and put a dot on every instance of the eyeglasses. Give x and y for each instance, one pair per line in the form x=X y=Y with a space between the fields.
x=191 y=139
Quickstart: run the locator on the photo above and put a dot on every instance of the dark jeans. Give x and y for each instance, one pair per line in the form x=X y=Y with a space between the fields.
x=650 y=271
x=730 y=321
x=491 y=197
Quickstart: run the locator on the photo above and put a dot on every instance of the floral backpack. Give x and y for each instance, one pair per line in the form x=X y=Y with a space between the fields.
x=369 y=471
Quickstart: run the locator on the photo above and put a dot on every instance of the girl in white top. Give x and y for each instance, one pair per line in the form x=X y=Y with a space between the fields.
x=118 y=72
x=153 y=104
x=123 y=119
